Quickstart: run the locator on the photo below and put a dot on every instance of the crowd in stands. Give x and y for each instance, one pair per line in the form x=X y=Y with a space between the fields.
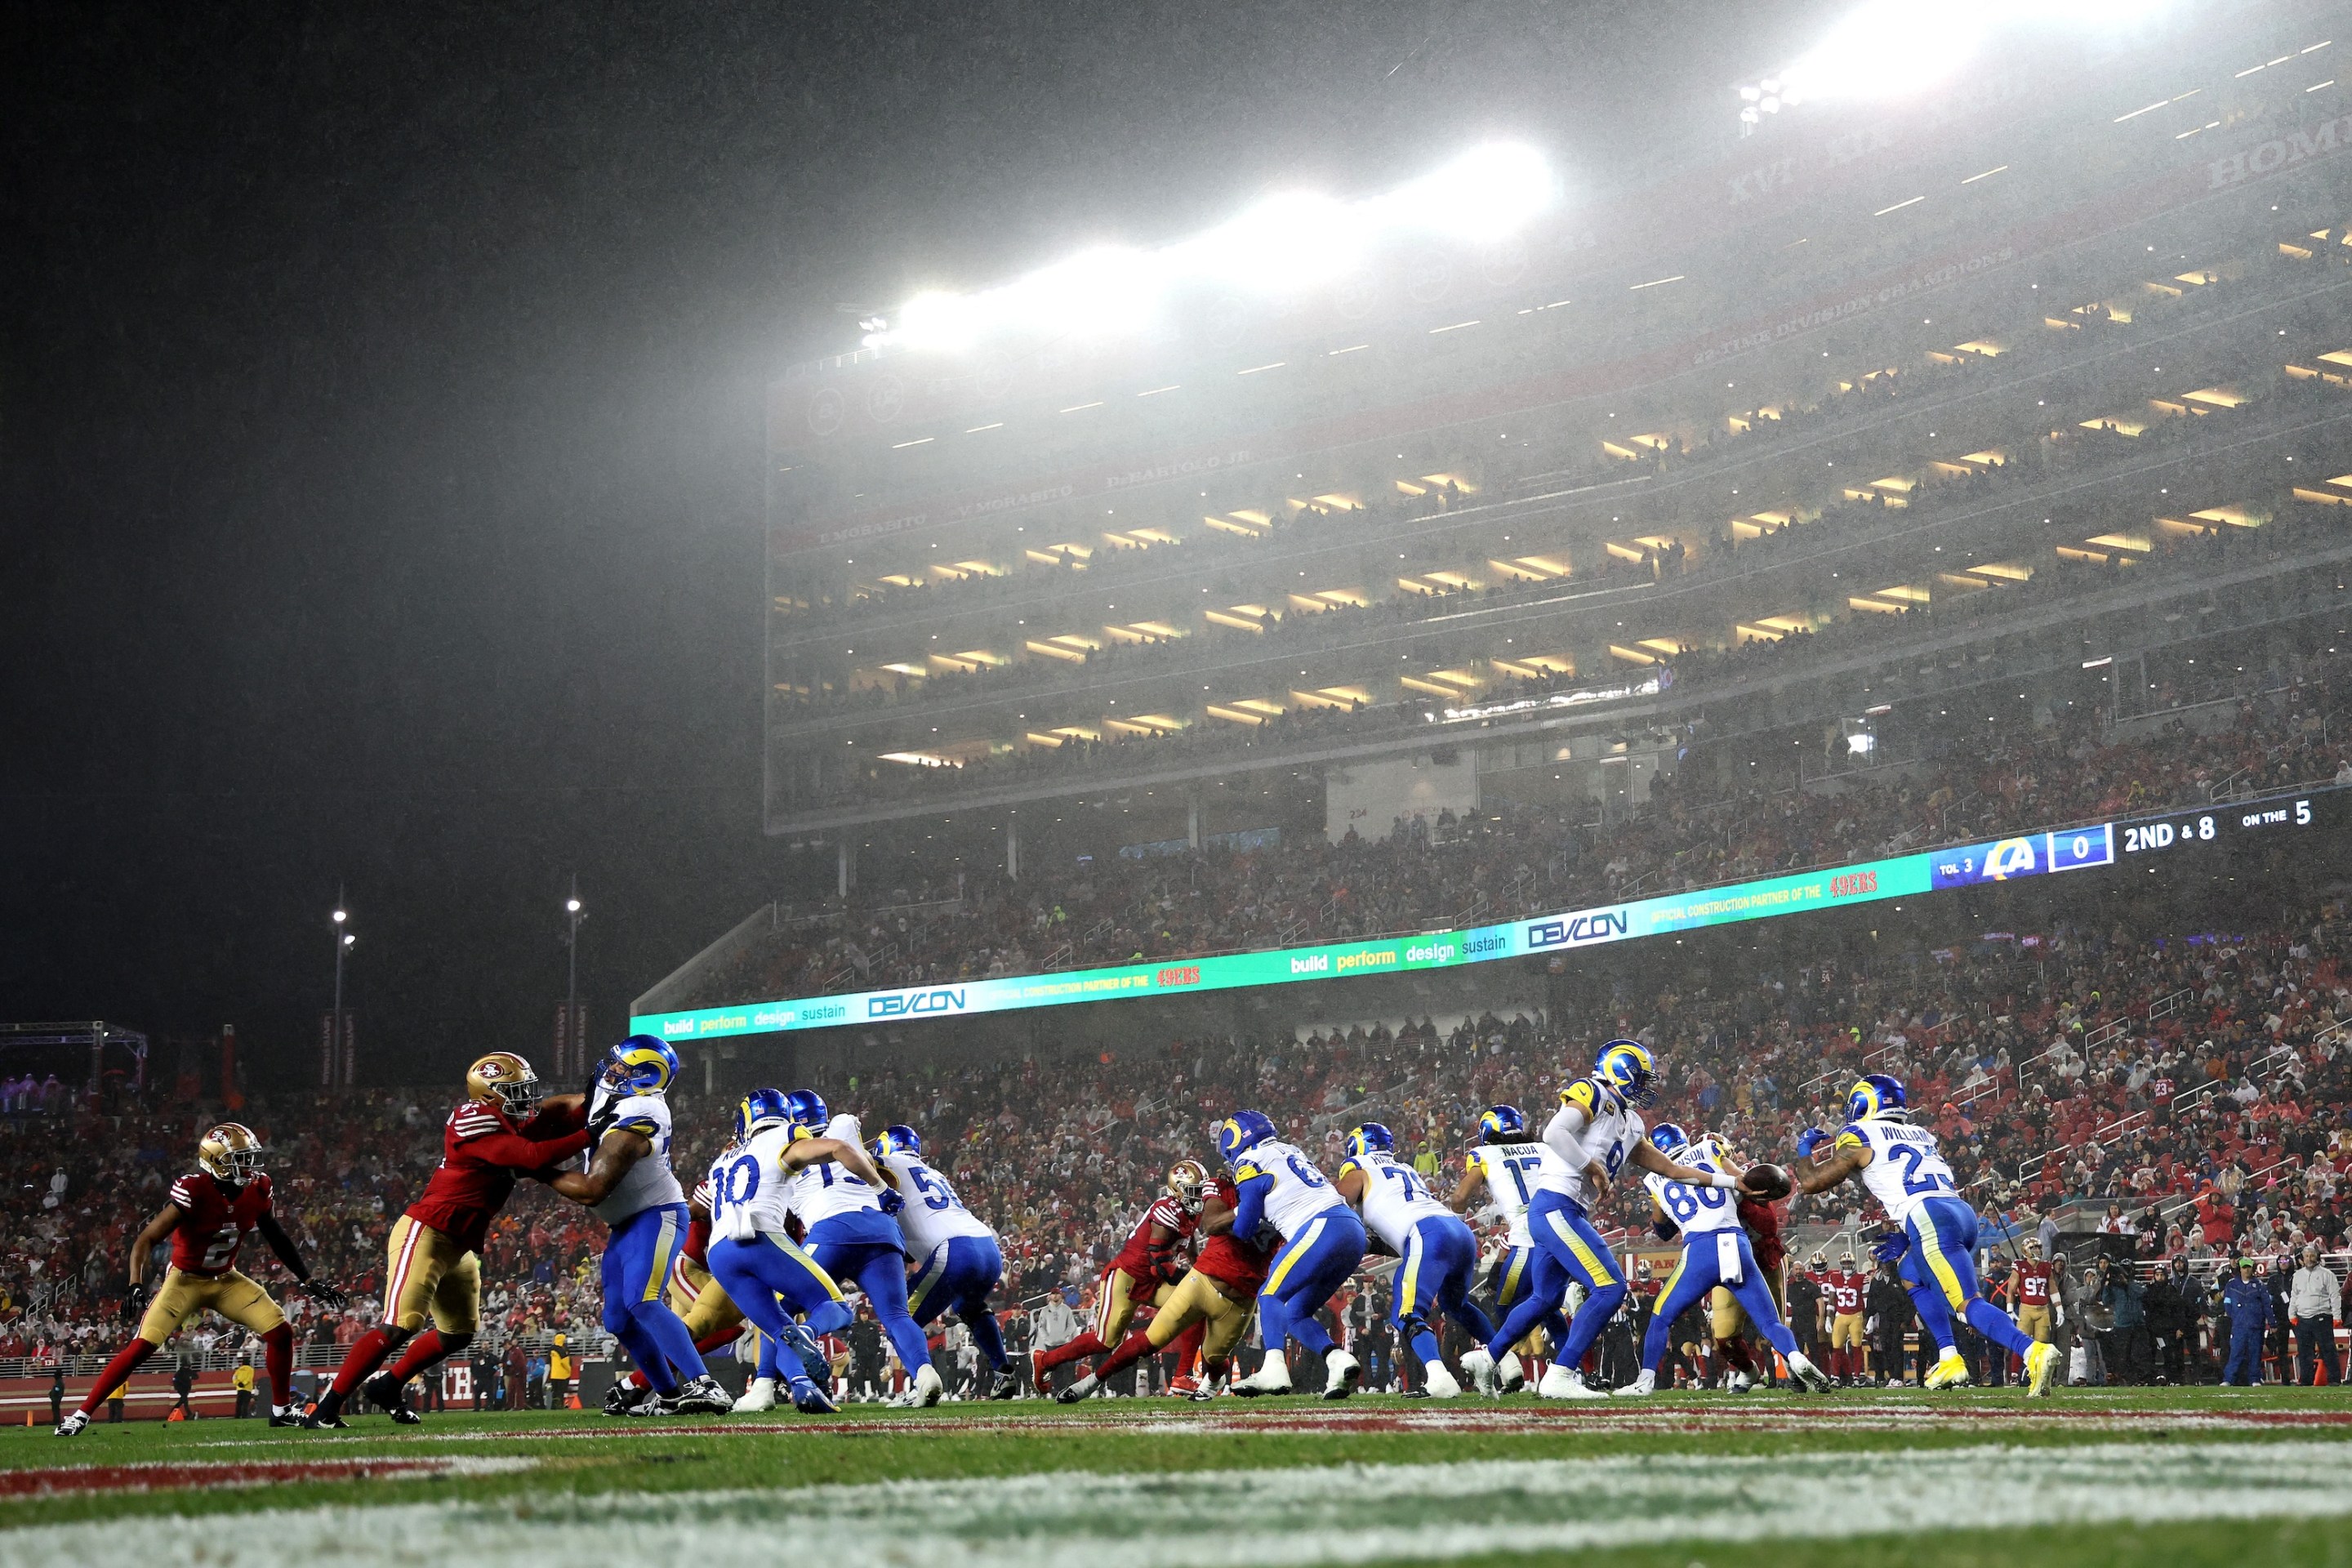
x=1509 y=861
x=2191 y=1085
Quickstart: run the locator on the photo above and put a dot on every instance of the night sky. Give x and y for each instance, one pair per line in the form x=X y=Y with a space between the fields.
x=379 y=430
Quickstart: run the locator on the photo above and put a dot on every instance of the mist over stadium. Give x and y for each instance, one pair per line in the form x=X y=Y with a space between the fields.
x=1075 y=627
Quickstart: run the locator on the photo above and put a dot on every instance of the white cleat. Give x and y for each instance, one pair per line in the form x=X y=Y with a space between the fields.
x=1509 y=1375
x=72 y=1424
x=1562 y=1383
x=1640 y=1388
x=926 y=1389
x=1272 y=1377
x=1480 y=1368
x=1810 y=1378
x=1735 y=1382
x=761 y=1396
x=1341 y=1373
x=1441 y=1381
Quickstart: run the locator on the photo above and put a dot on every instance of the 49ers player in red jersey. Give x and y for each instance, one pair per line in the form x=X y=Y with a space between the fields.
x=208 y=1217
x=1146 y=1271
x=502 y=1130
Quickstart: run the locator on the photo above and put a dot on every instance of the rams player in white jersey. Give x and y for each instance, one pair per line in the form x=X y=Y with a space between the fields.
x=1439 y=1253
x=1716 y=1251
x=1595 y=1131
x=753 y=1255
x=1506 y=1165
x=848 y=1221
x=1322 y=1242
x=957 y=1261
x=629 y=1186
x=1902 y=1168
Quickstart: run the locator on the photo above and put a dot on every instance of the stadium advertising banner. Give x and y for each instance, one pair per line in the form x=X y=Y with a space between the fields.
x=1998 y=861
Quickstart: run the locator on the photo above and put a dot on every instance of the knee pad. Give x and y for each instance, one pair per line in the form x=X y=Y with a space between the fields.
x=618 y=1315
x=1609 y=1297
x=452 y=1343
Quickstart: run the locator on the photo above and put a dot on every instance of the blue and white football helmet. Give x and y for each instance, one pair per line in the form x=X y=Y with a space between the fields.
x=898 y=1139
x=757 y=1110
x=1625 y=1066
x=1243 y=1132
x=1503 y=1125
x=1875 y=1094
x=806 y=1110
x=1371 y=1136
x=642 y=1064
x=1668 y=1137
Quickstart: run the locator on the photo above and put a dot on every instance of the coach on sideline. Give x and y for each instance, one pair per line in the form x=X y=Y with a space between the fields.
x=2315 y=1302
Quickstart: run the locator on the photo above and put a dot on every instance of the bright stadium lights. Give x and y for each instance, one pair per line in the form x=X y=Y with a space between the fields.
x=1888 y=48
x=1289 y=241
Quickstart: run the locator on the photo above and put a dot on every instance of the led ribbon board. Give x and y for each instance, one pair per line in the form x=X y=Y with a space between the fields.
x=2106 y=845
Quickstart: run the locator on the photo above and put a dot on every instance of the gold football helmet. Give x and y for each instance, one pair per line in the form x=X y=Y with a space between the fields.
x=229 y=1153
x=1187 y=1180
x=507 y=1081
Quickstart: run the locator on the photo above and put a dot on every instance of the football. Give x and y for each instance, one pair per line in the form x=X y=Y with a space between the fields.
x=1770 y=1183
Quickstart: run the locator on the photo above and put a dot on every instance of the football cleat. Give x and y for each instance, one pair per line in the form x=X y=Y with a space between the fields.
x=626 y=1398
x=1810 y=1378
x=1441 y=1384
x=1640 y=1388
x=1202 y=1392
x=809 y=1399
x=1509 y=1375
x=321 y=1420
x=2039 y=1362
x=1562 y=1383
x=699 y=1396
x=285 y=1415
x=1414 y=1393
x=1480 y=1366
x=1735 y=1382
x=1342 y=1371
x=1950 y=1372
x=1273 y=1377
x=928 y=1387
x=1084 y=1387
x=1006 y=1384
x=72 y=1424
x=390 y=1396
x=1182 y=1387
x=761 y=1396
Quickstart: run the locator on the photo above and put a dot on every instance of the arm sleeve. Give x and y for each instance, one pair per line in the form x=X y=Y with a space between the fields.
x=518 y=1152
x=1250 y=1213
x=1560 y=1135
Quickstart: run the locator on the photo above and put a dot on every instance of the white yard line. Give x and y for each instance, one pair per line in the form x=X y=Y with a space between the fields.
x=1342 y=1513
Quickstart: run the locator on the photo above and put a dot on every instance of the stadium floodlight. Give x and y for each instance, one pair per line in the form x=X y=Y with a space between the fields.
x=1287 y=241
x=1887 y=48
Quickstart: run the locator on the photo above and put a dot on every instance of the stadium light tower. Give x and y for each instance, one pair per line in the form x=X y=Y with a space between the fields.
x=344 y=940
x=576 y=1052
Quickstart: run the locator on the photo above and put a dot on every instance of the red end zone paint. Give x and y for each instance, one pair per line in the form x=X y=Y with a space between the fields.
x=171 y=1477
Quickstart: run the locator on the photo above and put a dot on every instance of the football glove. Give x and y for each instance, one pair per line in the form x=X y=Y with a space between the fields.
x=139 y=1298
x=332 y=1297
x=1890 y=1247
x=1810 y=1139
x=891 y=1201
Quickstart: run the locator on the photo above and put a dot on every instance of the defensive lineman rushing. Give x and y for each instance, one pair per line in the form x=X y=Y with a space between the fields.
x=1901 y=1167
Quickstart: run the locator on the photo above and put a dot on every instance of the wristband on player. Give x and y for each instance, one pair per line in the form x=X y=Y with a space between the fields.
x=1727 y=1182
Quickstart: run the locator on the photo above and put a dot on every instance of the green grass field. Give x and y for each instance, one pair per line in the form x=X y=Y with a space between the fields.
x=2193 y=1477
